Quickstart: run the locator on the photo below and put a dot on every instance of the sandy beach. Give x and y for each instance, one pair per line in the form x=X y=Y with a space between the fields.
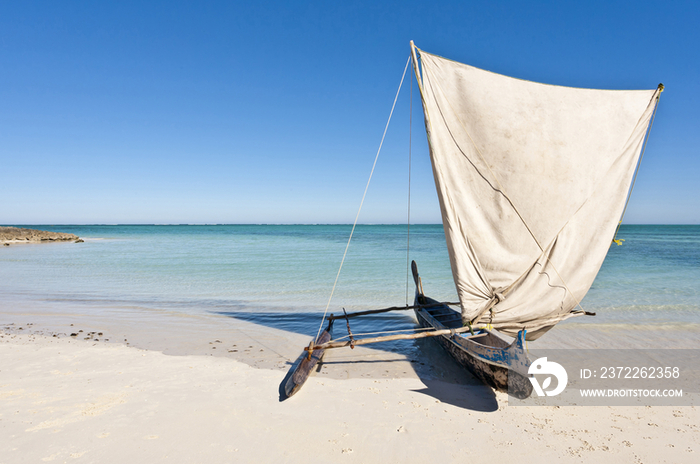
x=80 y=398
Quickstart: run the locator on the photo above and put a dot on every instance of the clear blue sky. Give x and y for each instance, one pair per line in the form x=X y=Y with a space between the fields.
x=272 y=112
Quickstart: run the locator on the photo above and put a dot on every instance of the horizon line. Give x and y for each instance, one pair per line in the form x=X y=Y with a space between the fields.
x=287 y=224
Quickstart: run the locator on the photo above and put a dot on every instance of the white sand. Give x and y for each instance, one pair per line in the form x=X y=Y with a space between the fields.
x=68 y=400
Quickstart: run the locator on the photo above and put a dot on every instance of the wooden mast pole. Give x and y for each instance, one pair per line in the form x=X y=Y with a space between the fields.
x=414 y=59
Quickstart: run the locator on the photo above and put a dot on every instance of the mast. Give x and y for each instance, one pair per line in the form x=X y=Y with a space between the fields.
x=414 y=60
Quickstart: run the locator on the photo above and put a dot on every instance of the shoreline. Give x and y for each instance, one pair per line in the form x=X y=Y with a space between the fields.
x=69 y=398
x=276 y=348
x=217 y=336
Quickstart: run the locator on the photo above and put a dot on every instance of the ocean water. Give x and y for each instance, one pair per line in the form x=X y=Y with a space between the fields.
x=653 y=278
x=281 y=276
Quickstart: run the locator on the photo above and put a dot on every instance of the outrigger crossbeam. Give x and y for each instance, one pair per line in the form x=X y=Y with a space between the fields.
x=386 y=310
x=388 y=338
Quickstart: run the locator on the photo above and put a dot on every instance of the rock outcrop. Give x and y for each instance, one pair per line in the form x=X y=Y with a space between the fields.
x=9 y=235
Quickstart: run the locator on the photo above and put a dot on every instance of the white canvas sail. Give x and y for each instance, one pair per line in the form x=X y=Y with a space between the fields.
x=532 y=180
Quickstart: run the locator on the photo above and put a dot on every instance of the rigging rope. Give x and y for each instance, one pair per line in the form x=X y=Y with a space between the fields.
x=363 y=199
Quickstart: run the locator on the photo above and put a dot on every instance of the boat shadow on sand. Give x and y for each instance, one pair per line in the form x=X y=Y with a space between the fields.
x=444 y=379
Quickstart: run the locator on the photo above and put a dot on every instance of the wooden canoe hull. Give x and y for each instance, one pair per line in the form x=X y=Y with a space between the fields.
x=487 y=356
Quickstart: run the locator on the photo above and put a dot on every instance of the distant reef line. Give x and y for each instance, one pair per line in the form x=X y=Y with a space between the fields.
x=12 y=235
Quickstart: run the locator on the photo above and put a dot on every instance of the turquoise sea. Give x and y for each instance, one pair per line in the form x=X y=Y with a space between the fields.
x=281 y=276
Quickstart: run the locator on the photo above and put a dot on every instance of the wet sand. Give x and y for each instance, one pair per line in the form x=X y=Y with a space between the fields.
x=260 y=347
